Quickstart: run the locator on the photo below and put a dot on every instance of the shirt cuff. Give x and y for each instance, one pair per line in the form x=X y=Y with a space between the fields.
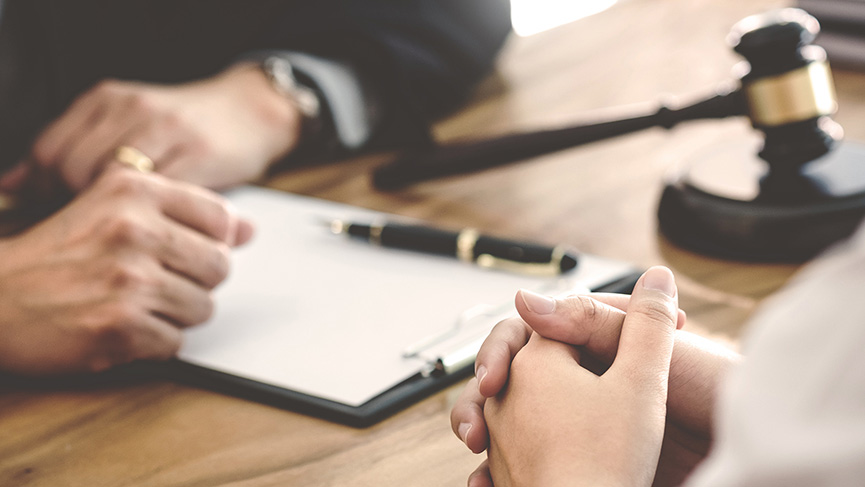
x=353 y=109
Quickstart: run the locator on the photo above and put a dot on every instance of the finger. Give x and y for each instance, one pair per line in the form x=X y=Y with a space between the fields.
x=180 y=300
x=156 y=339
x=646 y=344
x=620 y=301
x=69 y=127
x=467 y=418
x=117 y=115
x=481 y=476
x=198 y=257
x=244 y=233
x=159 y=136
x=554 y=349
x=139 y=337
x=576 y=320
x=495 y=355
x=592 y=321
x=202 y=210
x=85 y=157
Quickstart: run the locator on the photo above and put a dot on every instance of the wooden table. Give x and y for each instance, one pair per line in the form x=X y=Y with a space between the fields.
x=600 y=198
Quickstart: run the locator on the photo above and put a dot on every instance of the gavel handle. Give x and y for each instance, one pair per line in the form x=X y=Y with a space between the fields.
x=467 y=157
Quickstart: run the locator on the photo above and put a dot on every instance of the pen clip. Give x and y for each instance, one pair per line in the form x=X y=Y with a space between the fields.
x=543 y=269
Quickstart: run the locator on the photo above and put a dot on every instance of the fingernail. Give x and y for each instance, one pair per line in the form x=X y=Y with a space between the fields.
x=660 y=279
x=542 y=305
x=480 y=374
x=463 y=430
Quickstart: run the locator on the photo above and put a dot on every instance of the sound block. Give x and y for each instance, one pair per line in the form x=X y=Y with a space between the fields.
x=725 y=203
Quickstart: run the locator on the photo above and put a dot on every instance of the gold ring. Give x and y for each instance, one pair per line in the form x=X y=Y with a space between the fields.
x=134 y=158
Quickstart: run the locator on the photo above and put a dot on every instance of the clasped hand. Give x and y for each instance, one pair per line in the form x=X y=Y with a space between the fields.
x=593 y=413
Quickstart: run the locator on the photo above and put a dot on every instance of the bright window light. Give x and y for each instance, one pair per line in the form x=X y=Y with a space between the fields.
x=532 y=16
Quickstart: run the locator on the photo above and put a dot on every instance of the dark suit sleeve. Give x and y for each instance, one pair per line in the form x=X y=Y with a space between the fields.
x=415 y=59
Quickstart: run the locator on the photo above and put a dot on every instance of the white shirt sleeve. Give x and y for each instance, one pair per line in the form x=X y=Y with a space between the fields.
x=352 y=106
x=793 y=414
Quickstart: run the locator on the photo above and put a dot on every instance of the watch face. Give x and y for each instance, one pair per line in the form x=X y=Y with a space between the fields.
x=281 y=74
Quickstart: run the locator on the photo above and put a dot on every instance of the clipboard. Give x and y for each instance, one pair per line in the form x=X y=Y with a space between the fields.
x=346 y=331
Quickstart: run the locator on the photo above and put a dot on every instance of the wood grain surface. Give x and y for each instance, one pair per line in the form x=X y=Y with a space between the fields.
x=600 y=198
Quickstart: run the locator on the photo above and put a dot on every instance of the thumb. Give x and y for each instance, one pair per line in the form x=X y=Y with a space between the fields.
x=648 y=332
x=575 y=320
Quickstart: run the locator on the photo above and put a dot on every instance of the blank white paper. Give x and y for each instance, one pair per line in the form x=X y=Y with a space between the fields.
x=330 y=316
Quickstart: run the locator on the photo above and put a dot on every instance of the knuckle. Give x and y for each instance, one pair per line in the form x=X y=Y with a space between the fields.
x=106 y=87
x=124 y=277
x=112 y=334
x=508 y=334
x=495 y=354
x=120 y=229
x=125 y=230
x=142 y=103
x=456 y=416
x=173 y=121
x=127 y=184
x=581 y=309
x=199 y=147
x=656 y=313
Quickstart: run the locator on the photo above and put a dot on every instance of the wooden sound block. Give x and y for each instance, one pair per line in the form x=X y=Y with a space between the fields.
x=725 y=203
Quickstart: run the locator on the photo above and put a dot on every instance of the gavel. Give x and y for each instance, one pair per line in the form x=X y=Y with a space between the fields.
x=785 y=89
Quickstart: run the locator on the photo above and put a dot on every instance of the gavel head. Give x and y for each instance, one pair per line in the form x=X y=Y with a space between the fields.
x=787 y=86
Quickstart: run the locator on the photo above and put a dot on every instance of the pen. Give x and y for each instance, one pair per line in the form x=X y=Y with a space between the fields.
x=467 y=245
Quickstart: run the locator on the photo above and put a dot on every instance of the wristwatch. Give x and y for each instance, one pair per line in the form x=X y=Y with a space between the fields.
x=281 y=75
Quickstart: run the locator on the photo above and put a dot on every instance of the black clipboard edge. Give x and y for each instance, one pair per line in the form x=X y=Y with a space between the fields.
x=371 y=412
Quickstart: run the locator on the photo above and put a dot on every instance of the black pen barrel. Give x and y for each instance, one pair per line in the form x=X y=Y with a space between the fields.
x=513 y=251
x=418 y=238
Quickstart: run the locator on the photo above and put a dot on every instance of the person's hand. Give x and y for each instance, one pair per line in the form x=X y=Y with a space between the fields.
x=594 y=322
x=115 y=275
x=558 y=423
x=216 y=132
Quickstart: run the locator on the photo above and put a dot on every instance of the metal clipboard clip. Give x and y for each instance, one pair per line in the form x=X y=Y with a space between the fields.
x=470 y=326
x=456 y=347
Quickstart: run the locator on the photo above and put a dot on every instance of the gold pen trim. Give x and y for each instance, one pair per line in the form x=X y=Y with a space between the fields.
x=488 y=261
x=375 y=229
x=466 y=241
x=551 y=268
